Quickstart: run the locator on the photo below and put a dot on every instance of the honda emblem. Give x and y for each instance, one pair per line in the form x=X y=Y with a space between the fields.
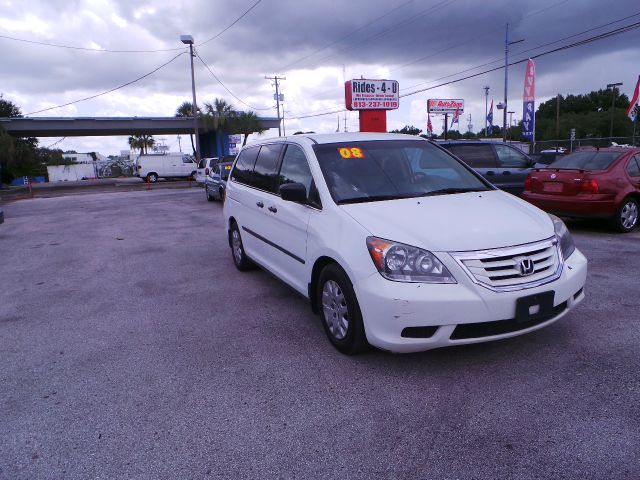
x=526 y=267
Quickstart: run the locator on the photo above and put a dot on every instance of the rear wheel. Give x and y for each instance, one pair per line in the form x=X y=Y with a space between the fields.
x=208 y=193
x=340 y=312
x=627 y=217
x=240 y=258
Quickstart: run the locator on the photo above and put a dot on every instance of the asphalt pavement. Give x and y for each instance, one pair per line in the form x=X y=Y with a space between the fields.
x=130 y=347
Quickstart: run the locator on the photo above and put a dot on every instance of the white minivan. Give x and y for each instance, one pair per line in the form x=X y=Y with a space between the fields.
x=397 y=243
x=170 y=165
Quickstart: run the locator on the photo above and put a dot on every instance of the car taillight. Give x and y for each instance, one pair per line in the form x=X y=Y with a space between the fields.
x=527 y=183
x=206 y=171
x=589 y=186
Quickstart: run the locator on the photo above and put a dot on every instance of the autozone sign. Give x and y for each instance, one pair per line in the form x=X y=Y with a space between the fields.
x=445 y=105
x=364 y=94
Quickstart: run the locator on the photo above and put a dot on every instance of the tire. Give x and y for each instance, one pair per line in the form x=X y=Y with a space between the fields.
x=240 y=258
x=206 y=191
x=152 y=177
x=626 y=218
x=221 y=193
x=340 y=312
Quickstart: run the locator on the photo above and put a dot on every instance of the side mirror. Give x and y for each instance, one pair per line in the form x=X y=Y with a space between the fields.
x=293 y=192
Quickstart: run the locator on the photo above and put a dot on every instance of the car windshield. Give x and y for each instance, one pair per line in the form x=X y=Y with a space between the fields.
x=225 y=168
x=391 y=169
x=588 y=160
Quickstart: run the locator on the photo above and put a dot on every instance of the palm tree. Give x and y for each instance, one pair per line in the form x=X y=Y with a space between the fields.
x=141 y=142
x=218 y=115
x=185 y=110
x=246 y=123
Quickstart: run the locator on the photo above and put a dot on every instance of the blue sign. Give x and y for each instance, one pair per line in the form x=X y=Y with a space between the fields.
x=528 y=120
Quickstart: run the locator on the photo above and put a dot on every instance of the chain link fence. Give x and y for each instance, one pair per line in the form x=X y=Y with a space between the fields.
x=600 y=142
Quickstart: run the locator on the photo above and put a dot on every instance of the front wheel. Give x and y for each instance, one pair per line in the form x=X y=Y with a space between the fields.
x=240 y=258
x=206 y=191
x=341 y=316
x=627 y=217
x=152 y=177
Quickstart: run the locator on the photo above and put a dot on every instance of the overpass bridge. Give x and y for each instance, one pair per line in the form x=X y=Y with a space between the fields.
x=119 y=126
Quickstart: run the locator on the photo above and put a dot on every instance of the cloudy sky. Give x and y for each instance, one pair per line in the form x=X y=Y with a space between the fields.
x=314 y=44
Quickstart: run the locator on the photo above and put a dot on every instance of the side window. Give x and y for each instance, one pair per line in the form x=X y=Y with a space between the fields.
x=266 y=167
x=202 y=164
x=295 y=168
x=633 y=169
x=187 y=159
x=476 y=156
x=243 y=168
x=509 y=157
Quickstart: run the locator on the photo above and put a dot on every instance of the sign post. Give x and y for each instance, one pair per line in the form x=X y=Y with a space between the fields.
x=372 y=99
x=445 y=106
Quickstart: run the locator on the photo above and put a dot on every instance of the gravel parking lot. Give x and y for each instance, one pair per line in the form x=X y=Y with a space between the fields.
x=130 y=347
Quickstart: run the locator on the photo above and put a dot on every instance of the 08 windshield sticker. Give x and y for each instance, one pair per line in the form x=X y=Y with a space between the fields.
x=353 y=152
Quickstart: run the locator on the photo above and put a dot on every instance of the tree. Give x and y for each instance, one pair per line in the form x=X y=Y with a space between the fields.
x=141 y=142
x=408 y=130
x=218 y=114
x=246 y=123
x=185 y=110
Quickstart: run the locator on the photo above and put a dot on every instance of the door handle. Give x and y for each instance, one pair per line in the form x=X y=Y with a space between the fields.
x=273 y=209
x=506 y=172
x=260 y=204
x=490 y=172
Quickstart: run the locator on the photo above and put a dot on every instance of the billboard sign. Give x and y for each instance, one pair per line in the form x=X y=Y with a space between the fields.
x=364 y=94
x=445 y=105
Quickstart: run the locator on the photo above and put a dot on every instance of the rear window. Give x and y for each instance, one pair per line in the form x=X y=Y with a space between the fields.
x=590 y=160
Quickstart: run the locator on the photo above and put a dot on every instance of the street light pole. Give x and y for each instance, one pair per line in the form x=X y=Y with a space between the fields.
x=510 y=122
x=612 y=86
x=188 y=40
x=506 y=80
x=486 y=109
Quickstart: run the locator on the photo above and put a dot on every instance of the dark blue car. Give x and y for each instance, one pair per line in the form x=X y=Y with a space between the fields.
x=502 y=164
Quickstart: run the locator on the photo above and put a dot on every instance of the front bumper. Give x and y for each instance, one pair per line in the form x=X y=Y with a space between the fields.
x=389 y=307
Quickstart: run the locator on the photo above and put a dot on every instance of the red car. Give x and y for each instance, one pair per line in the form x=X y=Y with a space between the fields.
x=602 y=183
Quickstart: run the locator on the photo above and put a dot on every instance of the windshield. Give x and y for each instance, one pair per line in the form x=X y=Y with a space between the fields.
x=225 y=168
x=390 y=169
x=588 y=160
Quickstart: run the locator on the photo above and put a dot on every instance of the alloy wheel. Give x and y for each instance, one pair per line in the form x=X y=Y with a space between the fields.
x=629 y=215
x=334 y=308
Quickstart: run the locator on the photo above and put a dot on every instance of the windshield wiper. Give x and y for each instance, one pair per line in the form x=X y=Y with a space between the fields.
x=372 y=198
x=447 y=191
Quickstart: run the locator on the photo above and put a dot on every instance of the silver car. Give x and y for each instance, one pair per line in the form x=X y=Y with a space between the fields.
x=216 y=181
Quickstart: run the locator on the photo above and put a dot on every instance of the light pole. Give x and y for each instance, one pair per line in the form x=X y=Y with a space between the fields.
x=612 y=86
x=506 y=80
x=486 y=109
x=188 y=40
x=510 y=122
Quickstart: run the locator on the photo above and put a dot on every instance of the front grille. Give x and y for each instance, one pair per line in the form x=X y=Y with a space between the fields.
x=499 y=269
x=500 y=327
x=418 y=332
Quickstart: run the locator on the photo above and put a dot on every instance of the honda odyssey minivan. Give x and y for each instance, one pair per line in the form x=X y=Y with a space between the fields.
x=397 y=243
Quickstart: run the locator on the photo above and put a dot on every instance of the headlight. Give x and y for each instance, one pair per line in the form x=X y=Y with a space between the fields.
x=564 y=237
x=404 y=263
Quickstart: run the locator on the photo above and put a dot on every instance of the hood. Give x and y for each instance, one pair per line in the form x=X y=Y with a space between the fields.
x=458 y=222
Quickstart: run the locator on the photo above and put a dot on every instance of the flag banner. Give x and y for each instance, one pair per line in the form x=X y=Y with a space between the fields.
x=528 y=100
x=634 y=106
x=456 y=117
x=490 y=121
x=429 y=126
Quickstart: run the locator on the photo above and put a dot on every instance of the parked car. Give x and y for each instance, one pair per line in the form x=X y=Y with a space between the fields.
x=206 y=164
x=602 y=183
x=503 y=165
x=546 y=157
x=216 y=181
x=172 y=165
x=397 y=243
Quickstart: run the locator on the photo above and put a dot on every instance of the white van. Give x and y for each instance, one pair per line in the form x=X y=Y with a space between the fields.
x=397 y=243
x=171 y=165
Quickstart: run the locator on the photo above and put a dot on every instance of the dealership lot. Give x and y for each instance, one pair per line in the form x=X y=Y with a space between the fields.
x=130 y=346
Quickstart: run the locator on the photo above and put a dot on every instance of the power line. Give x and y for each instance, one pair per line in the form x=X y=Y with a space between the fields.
x=110 y=90
x=55 y=143
x=227 y=88
x=87 y=49
x=345 y=37
x=246 y=12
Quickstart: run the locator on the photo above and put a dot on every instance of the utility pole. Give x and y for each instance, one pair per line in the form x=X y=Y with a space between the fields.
x=469 y=125
x=557 y=122
x=446 y=125
x=510 y=122
x=506 y=80
x=179 y=144
x=486 y=109
x=612 y=86
x=277 y=85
